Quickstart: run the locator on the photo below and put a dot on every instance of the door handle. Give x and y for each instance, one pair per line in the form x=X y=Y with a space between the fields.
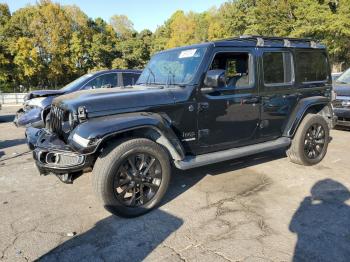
x=252 y=100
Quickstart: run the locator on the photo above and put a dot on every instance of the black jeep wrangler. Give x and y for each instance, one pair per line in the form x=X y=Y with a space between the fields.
x=192 y=106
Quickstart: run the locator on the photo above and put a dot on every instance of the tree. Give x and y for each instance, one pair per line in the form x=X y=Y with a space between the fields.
x=27 y=60
x=47 y=44
x=5 y=56
x=103 y=46
x=328 y=21
x=122 y=26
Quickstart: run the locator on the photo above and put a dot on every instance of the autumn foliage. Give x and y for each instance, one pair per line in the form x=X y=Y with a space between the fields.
x=48 y=45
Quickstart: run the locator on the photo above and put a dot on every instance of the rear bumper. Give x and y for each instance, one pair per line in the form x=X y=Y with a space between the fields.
x=53 y=156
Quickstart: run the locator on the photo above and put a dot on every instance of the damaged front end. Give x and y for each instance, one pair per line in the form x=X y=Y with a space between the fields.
x=32 y=117
x=33 y=112
x=53 y=156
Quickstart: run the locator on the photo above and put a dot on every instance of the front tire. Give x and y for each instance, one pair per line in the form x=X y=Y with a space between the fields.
x=310 y=143
x=132 y=176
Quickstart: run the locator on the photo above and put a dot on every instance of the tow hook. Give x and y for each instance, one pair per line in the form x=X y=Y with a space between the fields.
x=68 y=178
x=65 y=178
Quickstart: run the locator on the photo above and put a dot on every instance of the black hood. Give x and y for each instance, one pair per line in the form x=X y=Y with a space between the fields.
x=111 y=101
x=342 y=89
x=44 y=93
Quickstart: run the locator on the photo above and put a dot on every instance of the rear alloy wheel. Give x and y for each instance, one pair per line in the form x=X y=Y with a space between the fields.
x=314 y=141
x=132 y=176
x=310 y=143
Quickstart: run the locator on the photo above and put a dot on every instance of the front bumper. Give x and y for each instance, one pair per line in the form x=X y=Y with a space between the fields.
x=343 y=115
x=31 y=117
x=53 y=156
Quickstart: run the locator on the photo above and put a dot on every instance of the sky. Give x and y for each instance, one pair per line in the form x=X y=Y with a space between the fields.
x=143 y=13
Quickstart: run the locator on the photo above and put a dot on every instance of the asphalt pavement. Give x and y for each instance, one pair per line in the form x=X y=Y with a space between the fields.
x=258 y=208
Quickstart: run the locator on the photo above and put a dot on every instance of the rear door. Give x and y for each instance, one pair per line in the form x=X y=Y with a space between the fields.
x=277 y=90
x=228 y=117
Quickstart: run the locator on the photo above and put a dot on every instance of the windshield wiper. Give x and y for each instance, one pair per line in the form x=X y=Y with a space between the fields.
x=150 y=73
x=170 y=74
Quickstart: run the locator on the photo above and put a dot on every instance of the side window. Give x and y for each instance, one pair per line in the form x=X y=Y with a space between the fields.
x=129 y=79
x=104 y=81
x=238 y=66
x=278 y=68
x=312 y=66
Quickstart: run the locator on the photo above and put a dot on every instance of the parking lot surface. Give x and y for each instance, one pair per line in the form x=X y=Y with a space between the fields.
x=259 y=208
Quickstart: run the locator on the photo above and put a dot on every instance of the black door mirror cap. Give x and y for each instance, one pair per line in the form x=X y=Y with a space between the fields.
x=215 y=78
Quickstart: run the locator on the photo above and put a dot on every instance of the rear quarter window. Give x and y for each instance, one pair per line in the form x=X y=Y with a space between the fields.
x=278 y=68
x=311 y=66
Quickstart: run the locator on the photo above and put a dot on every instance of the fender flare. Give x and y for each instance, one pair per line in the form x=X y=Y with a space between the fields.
x=300 y=110
x=97 y=130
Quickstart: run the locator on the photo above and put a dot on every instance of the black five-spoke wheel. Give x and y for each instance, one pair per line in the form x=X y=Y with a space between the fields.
x=137 y=179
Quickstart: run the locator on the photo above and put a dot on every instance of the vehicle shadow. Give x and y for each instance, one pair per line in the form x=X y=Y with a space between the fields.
x=11 y=143
x=342 y=128
x=117 y=239
x=322 y=224
x=6 y=118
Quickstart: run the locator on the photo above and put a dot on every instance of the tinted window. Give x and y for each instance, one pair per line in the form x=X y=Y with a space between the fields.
x=104 y=81
x=278 y=68
x=312 y=66
x=130 y=79
x=238 y=68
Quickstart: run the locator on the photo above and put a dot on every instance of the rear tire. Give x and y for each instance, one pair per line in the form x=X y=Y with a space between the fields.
x=310 y=143
x=131 y=177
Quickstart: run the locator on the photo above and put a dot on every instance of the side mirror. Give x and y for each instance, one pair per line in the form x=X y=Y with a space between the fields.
x=88 y=87
x=214 y=79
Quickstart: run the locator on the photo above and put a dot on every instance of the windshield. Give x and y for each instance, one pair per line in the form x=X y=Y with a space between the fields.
x=345 y=77
x=76 y=84
x=176 y=67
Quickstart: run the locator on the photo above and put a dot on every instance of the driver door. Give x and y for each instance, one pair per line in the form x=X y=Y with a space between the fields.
x=229 y=114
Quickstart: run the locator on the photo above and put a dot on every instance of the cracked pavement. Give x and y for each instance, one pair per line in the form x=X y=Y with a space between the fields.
x=258 y=208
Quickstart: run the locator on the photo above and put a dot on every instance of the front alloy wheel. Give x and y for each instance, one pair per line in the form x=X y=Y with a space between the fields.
x=131 y=176
x=138 y=179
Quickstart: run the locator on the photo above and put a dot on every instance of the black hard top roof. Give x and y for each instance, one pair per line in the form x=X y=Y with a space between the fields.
x=266 y=41
x=260 y=41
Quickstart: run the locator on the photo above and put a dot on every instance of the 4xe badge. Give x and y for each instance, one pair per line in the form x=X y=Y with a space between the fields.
x=188 y=136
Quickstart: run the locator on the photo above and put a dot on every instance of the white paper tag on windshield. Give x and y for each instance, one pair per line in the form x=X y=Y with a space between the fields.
x=187 y=53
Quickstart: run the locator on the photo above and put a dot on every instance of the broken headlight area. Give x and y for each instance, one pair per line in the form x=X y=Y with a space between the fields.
x=58 y=159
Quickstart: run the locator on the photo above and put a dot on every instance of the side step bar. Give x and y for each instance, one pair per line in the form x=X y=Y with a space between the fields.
x=211 y=158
